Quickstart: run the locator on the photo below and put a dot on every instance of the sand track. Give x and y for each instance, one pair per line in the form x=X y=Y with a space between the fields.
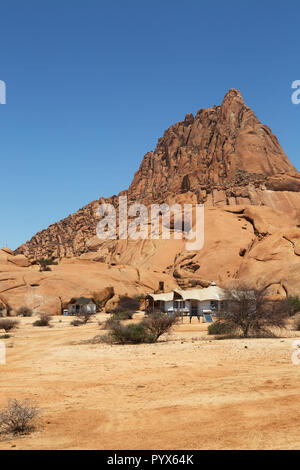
x=187 y=393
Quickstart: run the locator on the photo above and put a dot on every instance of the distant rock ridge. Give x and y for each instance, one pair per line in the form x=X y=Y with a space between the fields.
x=223 y=156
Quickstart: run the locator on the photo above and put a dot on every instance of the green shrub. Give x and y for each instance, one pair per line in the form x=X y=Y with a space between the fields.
x=134 y=333
x=218 y=328
x=122 y=315
x=24 y=312
x=146 y=331
x=45 y=263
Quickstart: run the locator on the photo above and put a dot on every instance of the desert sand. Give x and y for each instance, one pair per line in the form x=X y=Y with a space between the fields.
x=188 y=391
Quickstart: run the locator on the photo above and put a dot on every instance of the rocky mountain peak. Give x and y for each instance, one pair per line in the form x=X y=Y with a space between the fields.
x=221 y=156
x=231 y=96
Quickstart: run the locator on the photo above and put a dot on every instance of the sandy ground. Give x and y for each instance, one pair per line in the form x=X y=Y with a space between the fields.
x=190 y=392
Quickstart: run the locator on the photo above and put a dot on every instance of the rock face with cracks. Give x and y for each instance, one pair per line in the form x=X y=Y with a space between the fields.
x=222 y=157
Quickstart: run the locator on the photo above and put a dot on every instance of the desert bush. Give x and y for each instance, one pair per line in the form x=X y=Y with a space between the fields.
x=7 y=324
x=82 y=319
x=97 y=339
x=76 y=323
x=146 y=331
x=253 y=313
x=297 y=321
x=158 y=324
x=24 y=312
x=44 y=320
x=18 y=417
x=219 y=328
x=134 y=333
x=44 y=268
x=115 y=317
x=123 y=315
x=45 y=264
x=85 y=317
x=6 y=336
x=109 y=322
x=294 y=304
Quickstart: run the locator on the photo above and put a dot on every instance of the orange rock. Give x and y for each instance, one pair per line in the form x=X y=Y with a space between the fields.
x=222 y=157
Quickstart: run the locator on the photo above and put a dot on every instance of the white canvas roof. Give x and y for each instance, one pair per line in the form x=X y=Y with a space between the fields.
x=163 y=296
x=208 y=293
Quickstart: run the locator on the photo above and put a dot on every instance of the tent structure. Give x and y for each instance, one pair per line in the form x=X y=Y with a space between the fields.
x=189 y=301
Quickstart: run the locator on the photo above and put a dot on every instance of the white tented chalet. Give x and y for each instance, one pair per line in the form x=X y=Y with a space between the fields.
x=189 y=302
x=81 y=305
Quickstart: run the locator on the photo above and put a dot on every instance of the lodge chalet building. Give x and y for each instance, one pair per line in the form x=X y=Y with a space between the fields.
x=209 y=300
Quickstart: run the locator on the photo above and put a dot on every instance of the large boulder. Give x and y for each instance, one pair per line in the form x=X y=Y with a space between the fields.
x=19 y=260
x=50 y=291
x=102 y=296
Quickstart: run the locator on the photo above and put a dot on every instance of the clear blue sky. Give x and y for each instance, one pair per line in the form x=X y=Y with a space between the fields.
x=92 y=84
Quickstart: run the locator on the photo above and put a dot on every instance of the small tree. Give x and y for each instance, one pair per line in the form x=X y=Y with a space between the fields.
x=18 y=417
x=160 y=323
x=253 y=312
x=8 y=324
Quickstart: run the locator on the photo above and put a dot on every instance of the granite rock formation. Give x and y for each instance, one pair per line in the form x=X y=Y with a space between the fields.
x=226 y=159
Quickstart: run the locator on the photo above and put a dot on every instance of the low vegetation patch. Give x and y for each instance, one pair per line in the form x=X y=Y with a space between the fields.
x=115 y=317
x=95 y=340
x=24 y=312
x=160 y=323
x=44 y=320
x=8 y=324
x=18 y=417
x=219 y=328
x=134 y=333
x=297 y=322
x=294 y=304
x=82 y=319
x=45 y=263
x=148 y=330
x=76 y=322
x=123 y=315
